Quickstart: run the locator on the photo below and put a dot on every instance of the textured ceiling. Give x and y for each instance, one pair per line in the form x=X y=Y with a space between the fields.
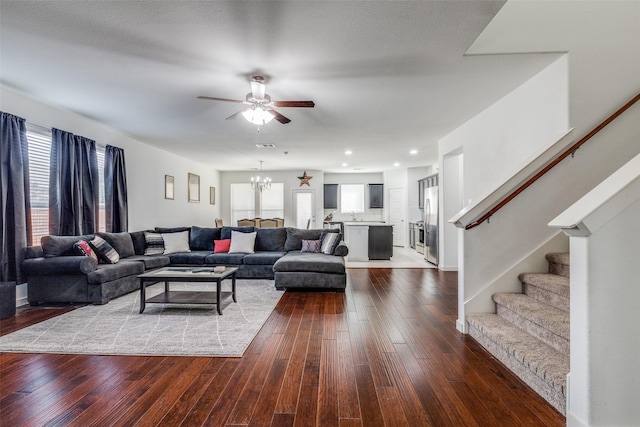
x=386 y=77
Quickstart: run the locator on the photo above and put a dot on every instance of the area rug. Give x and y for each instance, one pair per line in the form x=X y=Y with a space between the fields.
x=162 y=330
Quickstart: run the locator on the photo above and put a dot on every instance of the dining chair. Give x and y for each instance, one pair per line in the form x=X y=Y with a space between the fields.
x=218 y=222
x=268 y=223
x=246 y=222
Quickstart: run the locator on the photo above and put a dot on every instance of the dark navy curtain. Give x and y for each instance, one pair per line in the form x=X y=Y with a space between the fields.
x=115 y=190
x=73 y=185
x=15 y=206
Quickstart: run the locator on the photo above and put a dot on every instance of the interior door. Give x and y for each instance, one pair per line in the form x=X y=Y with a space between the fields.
x=396 y=209
x=303 y=208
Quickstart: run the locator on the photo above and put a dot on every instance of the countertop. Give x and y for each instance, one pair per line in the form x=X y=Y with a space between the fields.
x=367 y=223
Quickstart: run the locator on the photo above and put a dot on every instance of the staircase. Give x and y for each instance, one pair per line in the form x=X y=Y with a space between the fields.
x=530 y=331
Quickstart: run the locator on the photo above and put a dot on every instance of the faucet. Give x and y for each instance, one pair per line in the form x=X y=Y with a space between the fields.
x=353 y=216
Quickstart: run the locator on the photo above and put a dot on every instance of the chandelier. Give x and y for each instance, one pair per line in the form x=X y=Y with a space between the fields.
x=260 y=181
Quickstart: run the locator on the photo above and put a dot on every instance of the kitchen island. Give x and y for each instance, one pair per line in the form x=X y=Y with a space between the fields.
x=368 y=240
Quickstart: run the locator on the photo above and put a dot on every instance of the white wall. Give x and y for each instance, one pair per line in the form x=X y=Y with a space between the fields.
x=494 y=144
x=452 y=203
x=146 y=168
x=290 y=181
x=356 y=178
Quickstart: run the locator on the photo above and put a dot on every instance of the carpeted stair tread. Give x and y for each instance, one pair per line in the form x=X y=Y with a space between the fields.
x=559 y=263
x=543 y=360
x=544 y=321
x=548 y=288
x=540 y=366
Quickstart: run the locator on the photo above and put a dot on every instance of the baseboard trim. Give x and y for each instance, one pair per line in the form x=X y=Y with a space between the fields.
x=461 y=326
x=22 y=301
x=573 y=421
x=454 y=268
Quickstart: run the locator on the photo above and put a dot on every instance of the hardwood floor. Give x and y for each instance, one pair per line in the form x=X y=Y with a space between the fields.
x=385 y=352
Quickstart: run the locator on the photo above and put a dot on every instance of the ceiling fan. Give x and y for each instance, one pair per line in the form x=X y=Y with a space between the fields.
x=260 y=108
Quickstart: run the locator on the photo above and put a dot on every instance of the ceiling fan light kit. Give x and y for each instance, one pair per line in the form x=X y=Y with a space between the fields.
x=261 y=109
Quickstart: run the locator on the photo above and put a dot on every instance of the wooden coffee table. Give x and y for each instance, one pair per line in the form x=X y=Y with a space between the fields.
x=187 y=274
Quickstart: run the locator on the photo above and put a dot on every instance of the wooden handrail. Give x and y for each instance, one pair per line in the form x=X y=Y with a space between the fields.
x=554 y=162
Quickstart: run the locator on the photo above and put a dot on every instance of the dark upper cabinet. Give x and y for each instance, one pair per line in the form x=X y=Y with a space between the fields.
x=376 y=195
x=421 y=187
x=331 y=196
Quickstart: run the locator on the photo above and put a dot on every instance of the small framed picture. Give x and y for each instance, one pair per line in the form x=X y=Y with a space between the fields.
x=212 y=195
x=194 y=188
x=169 y=184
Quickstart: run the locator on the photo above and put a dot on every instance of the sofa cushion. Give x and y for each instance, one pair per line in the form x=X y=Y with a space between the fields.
x=176 y=242
x=221 y=246
x=262 y=258
x=270 y=239
x=149 y=261
x=193 y=257
x=311 y=246
x=171 y=229
x=225 y=258
x=311 y=262
x=121 y=242
x=296 y=235
x=202 y=238
x=139 y=244
x=154 y=243
x=226 y=231
x=242 y=242
x=108 y=272
x=84 y=248
x=53 y=246
x=104 y=250
x=329 y=242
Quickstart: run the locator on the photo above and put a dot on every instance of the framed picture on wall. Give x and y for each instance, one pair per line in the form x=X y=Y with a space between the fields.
x=194 y=188
x=212 y=195
x=169 y=183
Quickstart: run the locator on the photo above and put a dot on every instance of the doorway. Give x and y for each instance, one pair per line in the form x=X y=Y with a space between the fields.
x=303 y=208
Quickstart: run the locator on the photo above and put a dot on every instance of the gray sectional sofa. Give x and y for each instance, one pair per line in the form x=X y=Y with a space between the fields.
x=56 y=274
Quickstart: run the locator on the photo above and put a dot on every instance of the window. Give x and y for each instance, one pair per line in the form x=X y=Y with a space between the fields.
x=352 y=198
x=243 y=202
x=39 y=145
x=272 y=201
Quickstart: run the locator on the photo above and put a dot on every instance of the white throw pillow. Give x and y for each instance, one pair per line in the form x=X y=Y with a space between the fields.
x=176 y=242
x=242 y=242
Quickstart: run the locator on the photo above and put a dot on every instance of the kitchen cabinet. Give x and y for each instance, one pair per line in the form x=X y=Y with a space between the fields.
x=421 y=187
x=376 y=195
x=381 y=242
x=331 y=196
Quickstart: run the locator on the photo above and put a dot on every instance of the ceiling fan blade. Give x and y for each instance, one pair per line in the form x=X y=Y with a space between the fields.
x=299 y=104
x=235 y=115
x=211 y=98
x=279 y=117
x=258 y=90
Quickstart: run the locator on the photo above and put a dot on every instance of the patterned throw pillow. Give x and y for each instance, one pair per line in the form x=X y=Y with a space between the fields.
x=311 y=245
x=329 y=243
x=82 y=248
x=221 y=246
x=154 y=243
x=104 y=250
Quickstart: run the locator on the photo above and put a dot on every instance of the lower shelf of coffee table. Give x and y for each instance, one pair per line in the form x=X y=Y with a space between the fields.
x=187 y=297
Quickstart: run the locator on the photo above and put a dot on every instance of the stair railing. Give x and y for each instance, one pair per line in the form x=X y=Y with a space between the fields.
x=569 y=151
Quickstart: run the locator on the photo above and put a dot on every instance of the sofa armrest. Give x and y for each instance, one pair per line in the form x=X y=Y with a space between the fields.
x=33 y=252
x=342 y=249
x=58 y=265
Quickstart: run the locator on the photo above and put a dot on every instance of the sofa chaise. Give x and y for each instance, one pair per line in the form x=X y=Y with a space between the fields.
x=57 y=274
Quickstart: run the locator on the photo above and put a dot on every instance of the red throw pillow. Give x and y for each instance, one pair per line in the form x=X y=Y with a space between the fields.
x=221 y=246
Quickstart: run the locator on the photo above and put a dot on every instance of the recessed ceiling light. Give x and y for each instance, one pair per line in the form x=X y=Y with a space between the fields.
x=348 y=152
x=413 y=152
x=344 y=165
x=396 y=164
x=266 y=145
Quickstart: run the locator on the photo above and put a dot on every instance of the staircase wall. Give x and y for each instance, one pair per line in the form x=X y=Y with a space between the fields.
x=492 y=249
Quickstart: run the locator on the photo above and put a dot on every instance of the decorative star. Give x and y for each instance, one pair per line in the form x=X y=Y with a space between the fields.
x=304 y=179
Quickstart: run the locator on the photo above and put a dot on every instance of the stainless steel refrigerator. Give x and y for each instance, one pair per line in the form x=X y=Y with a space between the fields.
x=430 y=218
